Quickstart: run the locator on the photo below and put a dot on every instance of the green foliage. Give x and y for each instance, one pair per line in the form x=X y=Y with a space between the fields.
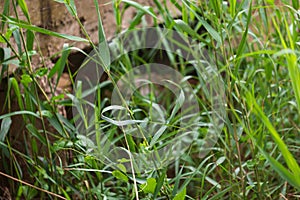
x=45 y=154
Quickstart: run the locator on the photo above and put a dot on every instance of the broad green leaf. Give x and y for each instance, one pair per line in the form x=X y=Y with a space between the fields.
x=122 y=168
x=149 y=186
x=181 y=195
x=119 y=175
x=26 y=79
x=6 y=37
x=296 y=4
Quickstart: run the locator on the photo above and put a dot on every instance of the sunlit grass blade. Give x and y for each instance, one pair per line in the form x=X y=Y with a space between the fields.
x=291 y=59
x=24 y=8
x=288 y=157
x=283 y=172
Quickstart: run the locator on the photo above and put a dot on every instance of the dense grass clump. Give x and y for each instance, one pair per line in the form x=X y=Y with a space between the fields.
x=245 y=87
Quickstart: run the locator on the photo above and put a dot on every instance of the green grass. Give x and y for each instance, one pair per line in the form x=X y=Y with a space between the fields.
x=256 y=49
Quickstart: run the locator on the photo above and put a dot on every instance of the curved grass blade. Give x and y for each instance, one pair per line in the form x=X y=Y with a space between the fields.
x=27 y=26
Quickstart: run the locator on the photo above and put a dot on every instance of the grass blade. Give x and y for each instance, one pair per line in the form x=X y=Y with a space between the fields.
x=27 y=26
x=5 y=126
x=60 y=64
x=214 y=34
x=289 y=159
x=24 y=8
x=283 y=172
x=140 y=7
x=103 y=46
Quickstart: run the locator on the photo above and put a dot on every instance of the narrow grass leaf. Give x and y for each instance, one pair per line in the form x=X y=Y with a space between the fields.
x=136 y=20
x=214 y=34
x=178 y=104
x=29 y=40
x=291 y=58
x=176 y=185
x=24 y=25
x=219 y=195
x=159 y=184
x=242 y=44
x=103 y=49
x=118 y=122
x=17 y=37
x=232 y=7
x=217 y=7
x=60 y=64
x=283 y=172
x=296 y=4
x=140 y=7
x=32 y=129
x=24 y=9
x=4 y=57
x=14 y=84
x=183 y=26
x=5 y=13
x=23 y=112
x=70 y=5
x=289 y=159
x=294 y=70
x=5 y=126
